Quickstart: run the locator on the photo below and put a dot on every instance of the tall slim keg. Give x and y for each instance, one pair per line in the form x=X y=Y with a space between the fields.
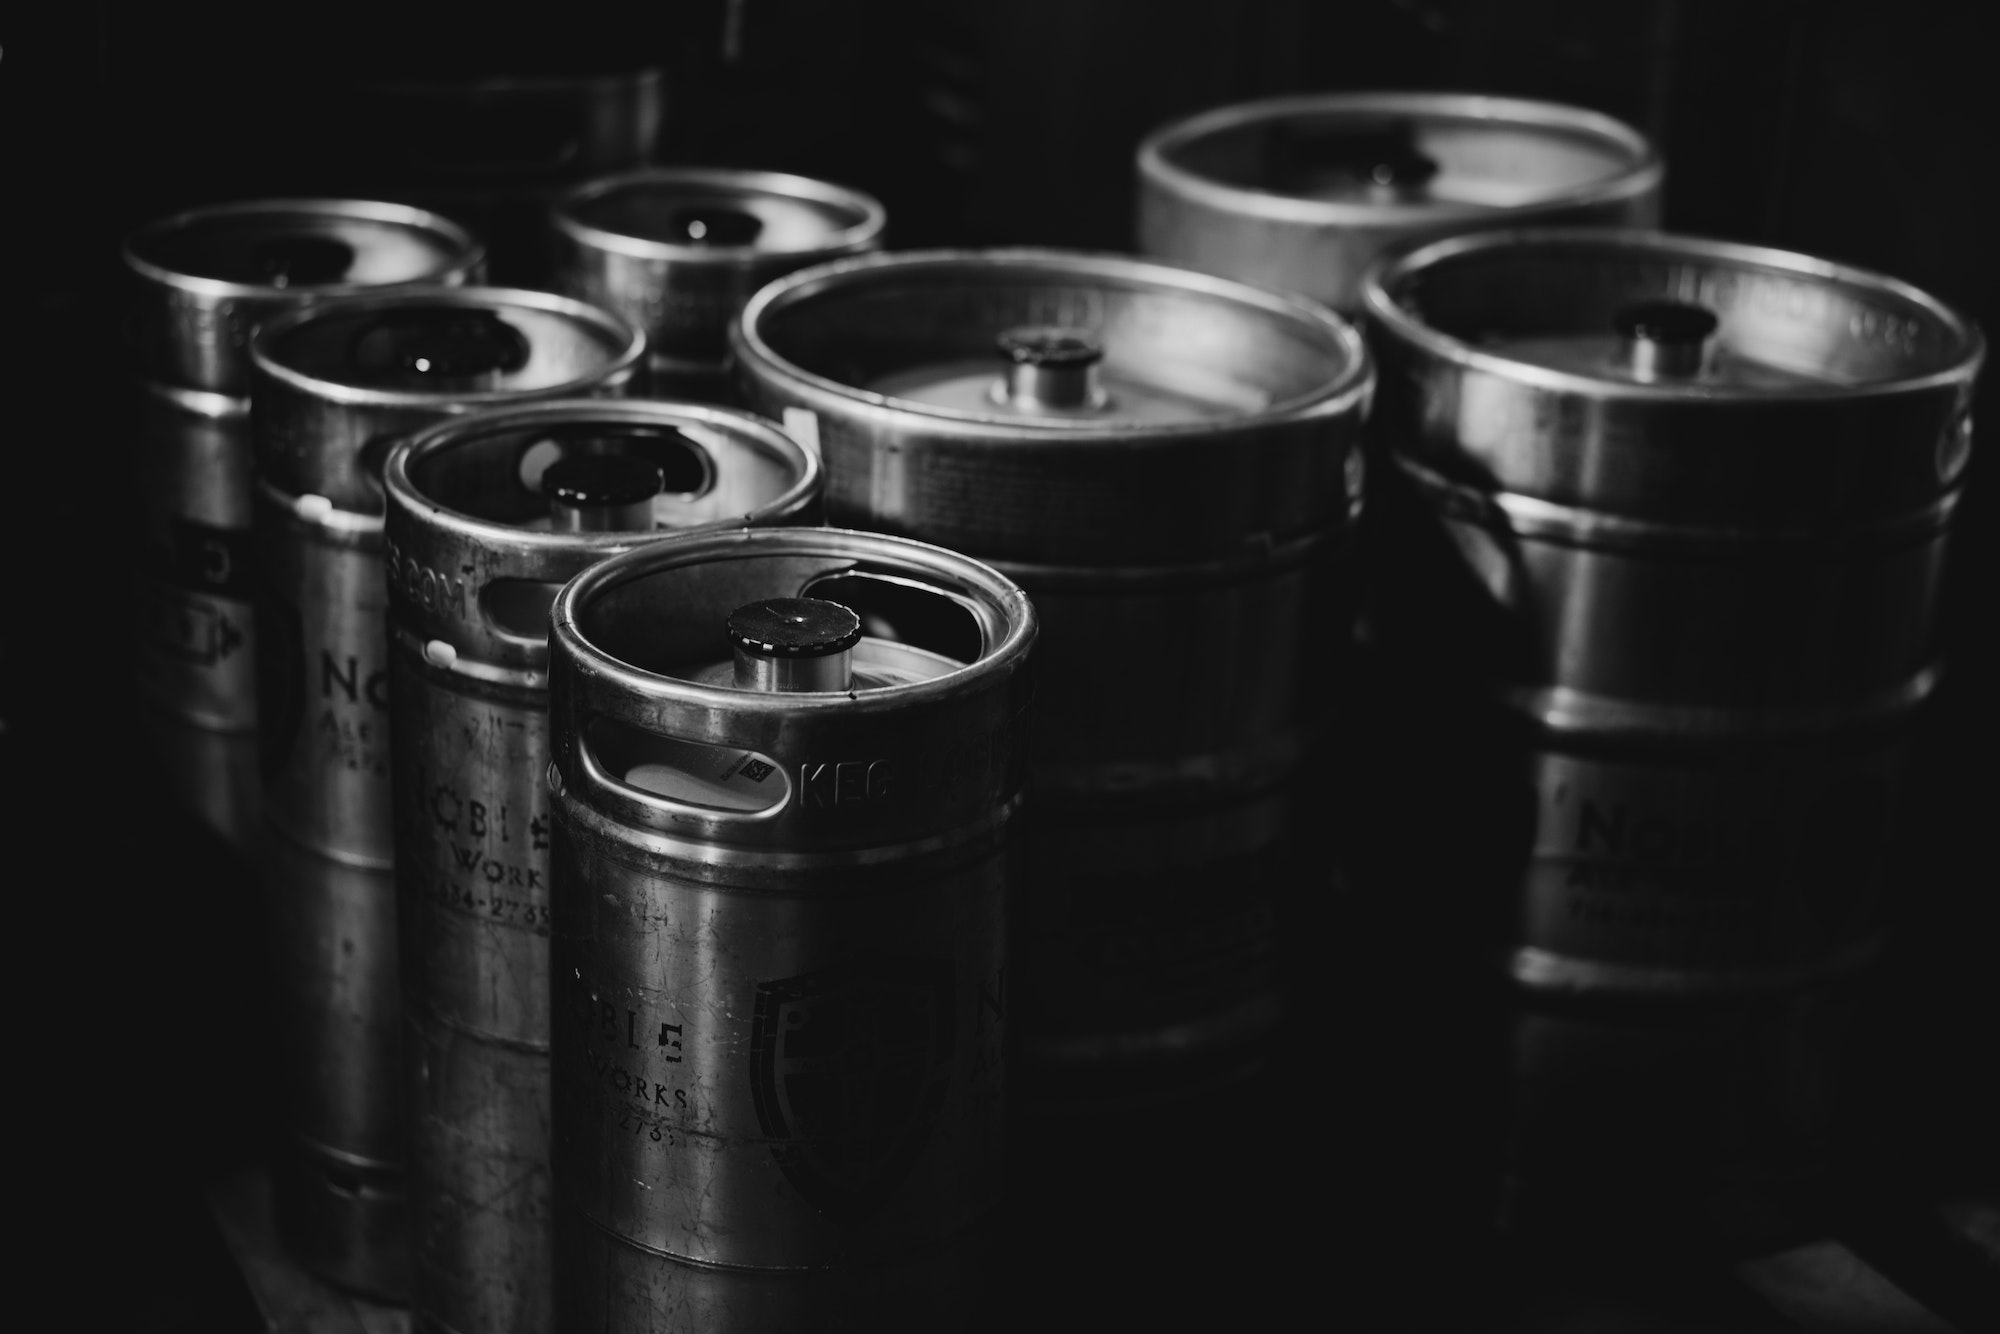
x=1169 y=463
x=488 y=516
x=787 y=768
x=1681 y=508
x=203 y=280
x=677 y=251
x=1300 y=194
x=337 y=386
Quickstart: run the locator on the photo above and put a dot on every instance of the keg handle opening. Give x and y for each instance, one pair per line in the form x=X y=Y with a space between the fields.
x=678 y=777
x=1664 y=340
x=903 y=610
x=1050 y=368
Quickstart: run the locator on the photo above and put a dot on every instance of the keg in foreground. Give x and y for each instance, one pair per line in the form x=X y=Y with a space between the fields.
x=203 y=280
x=788 y=764
x=1682 y=507
x=677 y=251
x=337 y=386
x=488 y=516
x=1300 y=194
x=1169 y=463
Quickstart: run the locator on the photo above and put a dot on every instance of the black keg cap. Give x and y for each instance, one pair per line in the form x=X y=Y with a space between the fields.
x=601 y=480
x=1050 y=345
x=714 y=224
x=301 y=260
x=426 y=345
x=794 y=627
x=1674 y=323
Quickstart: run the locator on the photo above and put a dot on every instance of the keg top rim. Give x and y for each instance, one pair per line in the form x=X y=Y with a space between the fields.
x=1353 y=381
x=1642 y=173
x=862 y=234
x=1008 y=599
x=455 y=432
x=1385 y=279
x=626 y=345
x=468 y=252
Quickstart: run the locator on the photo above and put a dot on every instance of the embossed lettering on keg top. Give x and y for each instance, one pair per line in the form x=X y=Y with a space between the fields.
x=1302 y=193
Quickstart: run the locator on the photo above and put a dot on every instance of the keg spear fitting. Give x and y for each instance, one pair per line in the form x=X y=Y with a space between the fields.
x=601 y=493
x=1050 y=368
x=793 y=644
x=1664 y=340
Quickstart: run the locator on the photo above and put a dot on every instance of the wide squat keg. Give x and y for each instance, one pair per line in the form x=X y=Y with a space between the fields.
x=203 y=281
x=489 y=516
x=677 y=251
x=1681 y=508
x=1300 y=194
x=1169 y=463
x=337 y=386
x=787 y=768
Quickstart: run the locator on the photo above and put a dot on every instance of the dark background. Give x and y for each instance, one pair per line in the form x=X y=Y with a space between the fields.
x=1345 y=1182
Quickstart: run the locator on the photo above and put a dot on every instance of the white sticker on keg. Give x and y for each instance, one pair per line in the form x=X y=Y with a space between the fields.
x=802 y=425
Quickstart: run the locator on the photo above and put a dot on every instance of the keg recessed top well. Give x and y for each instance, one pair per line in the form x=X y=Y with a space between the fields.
x=698 y=214
x=271 y=246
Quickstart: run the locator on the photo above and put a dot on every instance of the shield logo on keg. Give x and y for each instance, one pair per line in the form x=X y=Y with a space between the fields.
x=849 y=1070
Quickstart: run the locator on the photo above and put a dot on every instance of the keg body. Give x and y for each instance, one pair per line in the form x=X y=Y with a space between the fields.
x=677 y=251
x=1681 y=507
x=1300 y=194
x=1182 y=523
x=778 y=1026
x=473 y=565
x=338 y=385
x=203 y=282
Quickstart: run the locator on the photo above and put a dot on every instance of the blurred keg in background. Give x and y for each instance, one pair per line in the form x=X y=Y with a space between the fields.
x=787 y=768
x=202 y=281
x=1169 y=463
x=677 y=251
x=336 y=387
x=1300 y=194
x=488 y=516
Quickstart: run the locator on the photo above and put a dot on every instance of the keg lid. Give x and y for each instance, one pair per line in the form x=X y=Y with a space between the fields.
x=1051 y=339
x=719 y=215
x=1611 y=313
x=1347 y=158
x=278 y=247
x=463 y=345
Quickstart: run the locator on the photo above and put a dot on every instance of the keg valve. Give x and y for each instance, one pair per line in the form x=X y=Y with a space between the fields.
x=601 y=493
x=793 y=644
x=1665 y=340
x=1050 y=368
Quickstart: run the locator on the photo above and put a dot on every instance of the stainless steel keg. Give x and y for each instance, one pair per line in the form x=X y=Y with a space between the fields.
x=1300 y=194
x=677 y=251
x=1169 y=463
x=488 y=516
x=1682 y=506
x=203 y=281
x=337 y=386
x=787 y=767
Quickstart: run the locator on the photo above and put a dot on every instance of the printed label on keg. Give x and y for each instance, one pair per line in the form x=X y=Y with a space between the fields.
x=490 y=853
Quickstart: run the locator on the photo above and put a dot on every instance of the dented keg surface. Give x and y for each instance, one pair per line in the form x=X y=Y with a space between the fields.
x=677 y=251
x=337 y=386
x=1300 y=194
x=203 y=280
x=1169 y=463
x=488 y=516
x=787 y=767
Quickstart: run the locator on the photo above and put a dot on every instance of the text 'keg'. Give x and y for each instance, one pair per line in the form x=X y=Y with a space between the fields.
x=1300 y=194
x=1169 y=463
x=204 y=281
x=787 y=768
x=337 y=387
x=488 y=516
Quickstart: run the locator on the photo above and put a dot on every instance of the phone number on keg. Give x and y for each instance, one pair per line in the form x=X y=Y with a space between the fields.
x=515 y=912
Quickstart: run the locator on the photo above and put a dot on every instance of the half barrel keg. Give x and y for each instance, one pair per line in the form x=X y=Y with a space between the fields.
x=337 y=386
x=203 y=281
x=787 y=768
x=1300 y=194
x=1680 y=507
x=1170 y=464
x=488 y=516
x=677 y=251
